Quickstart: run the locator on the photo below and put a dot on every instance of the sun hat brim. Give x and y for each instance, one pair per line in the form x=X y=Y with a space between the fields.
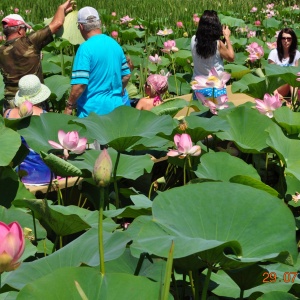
x=41 y=96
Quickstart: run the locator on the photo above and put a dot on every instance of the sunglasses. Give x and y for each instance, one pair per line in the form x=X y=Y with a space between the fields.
x=286 y=39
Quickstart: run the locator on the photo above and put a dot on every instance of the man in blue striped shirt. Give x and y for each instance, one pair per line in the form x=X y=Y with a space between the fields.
x=100 y=71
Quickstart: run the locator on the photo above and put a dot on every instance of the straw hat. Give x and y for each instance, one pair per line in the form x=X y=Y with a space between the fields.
x=32 y=90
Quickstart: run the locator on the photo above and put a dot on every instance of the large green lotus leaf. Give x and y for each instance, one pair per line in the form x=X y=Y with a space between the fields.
x=287 y=150
x=131 y=34
x=178 y=85
x=133 y=50
x=277 y=296
x=10 y=142
x=200 y=128
x=222 y=285
x=170 y=107
x=69 y=31
x=83 y=250
x=62 y=220
x=183 y=43
x=37 y=130
x=271 y=22
x=255 y=86
x=58 y=89
x=255 y=183
x=61 y=167
x=142 y=206
x=11 y=215
x=231 y=21
x=242 y=122
x=124 y=126
x=205 y=219
x=128 y=264
x=222 y=166
x=288 y=74
x=288 y=120
x=93 y=284
x=182 y=57
x=129 y=166
x=237 y=71
x=11 y=187
x=50 y=67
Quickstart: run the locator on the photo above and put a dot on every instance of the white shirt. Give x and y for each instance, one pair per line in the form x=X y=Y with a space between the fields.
x=285 y=61
x=202 y=66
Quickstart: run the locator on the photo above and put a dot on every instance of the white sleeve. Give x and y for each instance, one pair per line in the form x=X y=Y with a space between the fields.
x=273 y=56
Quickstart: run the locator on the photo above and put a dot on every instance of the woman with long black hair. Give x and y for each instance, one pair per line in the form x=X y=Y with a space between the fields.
x=208 y=50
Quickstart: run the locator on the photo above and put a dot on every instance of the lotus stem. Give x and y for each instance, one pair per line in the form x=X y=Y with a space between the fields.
x=150 y=190
x=206 y=283
x=168 y=274
x=242 y=295
x=115 y=181
x=184 y=172
x=72 y=190
x=100 y=232
x=192 y=283
x=189 y=106
x=173 y=65
x=196 y=284
x=34 y=228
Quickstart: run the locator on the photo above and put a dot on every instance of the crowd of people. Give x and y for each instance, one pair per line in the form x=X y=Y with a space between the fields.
x=99 y=76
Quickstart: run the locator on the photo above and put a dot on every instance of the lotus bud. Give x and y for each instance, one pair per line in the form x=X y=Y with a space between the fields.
x=25 y=109
x=114 y=34
x=185 y=34
x=102 y=169
x=12 y=245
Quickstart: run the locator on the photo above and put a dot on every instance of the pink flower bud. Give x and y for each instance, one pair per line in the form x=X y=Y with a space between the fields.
x=16 y=10
x=25 y=109
x=114 y=34
x=179 y=24
x=102 y=169
x=113 y=13
x=12 y=245
x=257 y=23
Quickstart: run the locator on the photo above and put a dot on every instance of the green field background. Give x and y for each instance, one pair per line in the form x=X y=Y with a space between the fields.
x=169 y=10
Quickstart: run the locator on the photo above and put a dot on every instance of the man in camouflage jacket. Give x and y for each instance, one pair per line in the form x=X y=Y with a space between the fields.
x=21 y=53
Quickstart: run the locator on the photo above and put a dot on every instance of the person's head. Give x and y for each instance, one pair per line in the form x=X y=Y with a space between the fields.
x=32 y=90
x=208 y=32
x=156 y=85
x=88 y=19
x=287 y=40
x=14 y=24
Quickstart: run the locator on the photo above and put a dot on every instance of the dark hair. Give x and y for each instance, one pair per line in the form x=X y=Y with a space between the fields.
x=208 y=32
x=293 y=47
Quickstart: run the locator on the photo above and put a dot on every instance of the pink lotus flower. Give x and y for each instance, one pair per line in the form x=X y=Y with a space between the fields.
x=179 y=24
x=102 y=169
x=214 y=103
x=165 y=32
x=25 y=109
x=125 y=19
x=214 y=79
x=257 y=23
x=69 y=142
x=272 y=46
x=270 y=6
x=253 y=9
x=12 y=244
x=184 y=146
x=16 y=10
x=155 y=59
x=255 y=51
x=268 y=105
x=295 y=7
x=114 y=34
x=196 y=20
x=113 y=13
x=251 y=33
x=169 y=46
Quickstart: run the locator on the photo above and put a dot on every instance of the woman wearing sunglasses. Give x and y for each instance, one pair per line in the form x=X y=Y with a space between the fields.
x=286 y=54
